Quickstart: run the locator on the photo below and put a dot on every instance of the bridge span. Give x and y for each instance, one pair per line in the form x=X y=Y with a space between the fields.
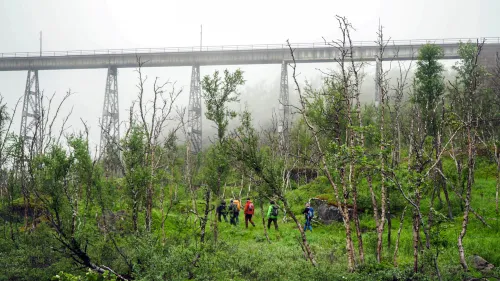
x=113 y=59
x=221 y=55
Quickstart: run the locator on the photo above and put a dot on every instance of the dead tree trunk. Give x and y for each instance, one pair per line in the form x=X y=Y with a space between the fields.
x=204 y=220
x=416 y=232
x=441 y=182
x=356 y=223
x=381 y=84
x=497 y=154
x=135 y=210
x=305 y=244
x=396 y=247
x=344 y=210
x=261 y=203
x=470 y=179
x=162 y=210
x=383 y=187
x=374 y=200
x=149 y=192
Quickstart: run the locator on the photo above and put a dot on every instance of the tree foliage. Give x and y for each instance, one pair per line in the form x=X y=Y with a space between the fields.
x=429 y=84
x=218 y=93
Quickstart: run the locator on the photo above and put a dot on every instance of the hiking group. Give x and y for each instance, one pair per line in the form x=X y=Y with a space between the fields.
x=249 y=209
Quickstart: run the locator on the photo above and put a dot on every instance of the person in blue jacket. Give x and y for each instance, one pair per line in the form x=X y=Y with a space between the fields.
x=309 y=214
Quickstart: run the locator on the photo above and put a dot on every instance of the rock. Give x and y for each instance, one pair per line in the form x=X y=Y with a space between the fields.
x=110 y=221
x=303 y=174
x=325 y=212
x=481 y=264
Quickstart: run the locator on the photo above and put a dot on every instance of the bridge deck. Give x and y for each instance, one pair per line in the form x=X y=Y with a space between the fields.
x=223 y=55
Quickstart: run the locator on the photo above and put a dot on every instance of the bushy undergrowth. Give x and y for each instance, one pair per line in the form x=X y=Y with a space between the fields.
x=245 y=254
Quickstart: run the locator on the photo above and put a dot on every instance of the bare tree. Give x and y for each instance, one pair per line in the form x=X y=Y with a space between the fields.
x=468 y=92
x=396 y=248
x=302 y=110
x=382 y=85
x=155 y=117
x=356 y=139
x=399 y=90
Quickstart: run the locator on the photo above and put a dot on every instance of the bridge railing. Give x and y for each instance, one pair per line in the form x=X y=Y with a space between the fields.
x=446 y=41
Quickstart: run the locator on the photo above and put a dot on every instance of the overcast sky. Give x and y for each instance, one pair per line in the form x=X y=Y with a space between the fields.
x=102 y=24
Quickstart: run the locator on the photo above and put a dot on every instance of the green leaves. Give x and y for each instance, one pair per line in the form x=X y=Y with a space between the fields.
x=429 y=84
x=245 y=147
x=326 y=109
x=218 y=92
x=469 y=73
x=134 y=150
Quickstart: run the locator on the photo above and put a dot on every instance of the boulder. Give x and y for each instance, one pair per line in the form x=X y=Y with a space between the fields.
x=303 y=174
x=112 y=221
x=481 y=264
x=326 y=212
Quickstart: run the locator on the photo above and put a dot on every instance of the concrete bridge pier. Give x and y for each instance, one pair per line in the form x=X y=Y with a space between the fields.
x=194 y=111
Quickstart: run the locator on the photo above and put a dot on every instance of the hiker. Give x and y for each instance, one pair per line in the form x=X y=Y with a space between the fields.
x=221 y=211
x=309 y=214
x=249 y=211
x=233 y=212
x=272 y=215
x=238 y=208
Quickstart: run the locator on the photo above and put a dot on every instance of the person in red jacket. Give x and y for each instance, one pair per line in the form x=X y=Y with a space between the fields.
x=249 y=210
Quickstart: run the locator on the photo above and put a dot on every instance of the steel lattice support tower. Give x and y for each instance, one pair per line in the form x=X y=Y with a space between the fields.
x=284 y=108
x=110 y=127
x=31 y=125
x=194 y=111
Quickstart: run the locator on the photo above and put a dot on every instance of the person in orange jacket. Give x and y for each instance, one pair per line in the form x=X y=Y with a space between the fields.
x=249 y=211
x=237 y=203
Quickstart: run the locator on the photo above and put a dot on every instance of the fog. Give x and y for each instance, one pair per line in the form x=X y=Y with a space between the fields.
x=97 y=24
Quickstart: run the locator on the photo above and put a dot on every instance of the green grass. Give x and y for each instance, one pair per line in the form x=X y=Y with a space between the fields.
x=245 y=254
x=328 y=241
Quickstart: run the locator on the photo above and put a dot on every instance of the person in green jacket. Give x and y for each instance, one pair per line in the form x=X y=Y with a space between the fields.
x=272 y=215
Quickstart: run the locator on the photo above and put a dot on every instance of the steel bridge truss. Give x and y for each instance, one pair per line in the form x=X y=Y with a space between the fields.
x=194 y=112
x=110 y=124
x=31 y=125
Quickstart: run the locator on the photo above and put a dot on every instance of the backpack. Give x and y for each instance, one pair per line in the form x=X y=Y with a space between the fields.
x=310 y=213
x=233 y=208
x=237 y=204
x=250 y=207
x=274 y=211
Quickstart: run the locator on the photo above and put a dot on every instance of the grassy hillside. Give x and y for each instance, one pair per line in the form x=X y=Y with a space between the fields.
x=245 y=254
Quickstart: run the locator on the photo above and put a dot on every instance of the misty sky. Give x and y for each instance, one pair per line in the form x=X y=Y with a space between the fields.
x=100 y=24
